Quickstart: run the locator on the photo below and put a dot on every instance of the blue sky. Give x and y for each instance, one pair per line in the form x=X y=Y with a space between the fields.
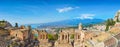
x=43 y=11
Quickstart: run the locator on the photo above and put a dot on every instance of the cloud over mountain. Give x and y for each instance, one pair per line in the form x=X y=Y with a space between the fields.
x=65 y=9
x=86 y=16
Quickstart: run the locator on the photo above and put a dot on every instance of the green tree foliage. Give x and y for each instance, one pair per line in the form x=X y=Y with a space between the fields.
x=109 y=22
x=72 y=36
x=55 y=36
x=2 y=23
x=52 y=37
x=107 y=27
x=117 y=20
x=16 y=24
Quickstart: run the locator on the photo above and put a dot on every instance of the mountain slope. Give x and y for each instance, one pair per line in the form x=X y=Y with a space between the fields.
x=70 y=22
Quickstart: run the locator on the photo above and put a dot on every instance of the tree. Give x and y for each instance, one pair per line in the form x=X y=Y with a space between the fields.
x=52 y=37
x=117 y=20
x=109 y=22
x=56 y=36
x=3 y=20
x=16 y=24
x=72 y=36
x=107 y=27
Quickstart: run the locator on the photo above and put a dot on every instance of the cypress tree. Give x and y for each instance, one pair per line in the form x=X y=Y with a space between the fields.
x=109 y=22
x=117 y=20
x=16 y=25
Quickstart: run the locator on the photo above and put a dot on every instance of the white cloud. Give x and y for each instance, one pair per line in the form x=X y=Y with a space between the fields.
x=65 y=9
x=86 y=16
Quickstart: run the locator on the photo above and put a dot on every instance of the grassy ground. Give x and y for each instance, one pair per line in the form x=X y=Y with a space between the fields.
x=2 y=24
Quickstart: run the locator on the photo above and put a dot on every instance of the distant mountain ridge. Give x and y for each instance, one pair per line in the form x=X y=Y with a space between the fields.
x=68 y=23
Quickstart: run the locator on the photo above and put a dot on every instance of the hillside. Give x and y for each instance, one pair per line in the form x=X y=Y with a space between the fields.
x=4 y=24
x=68 y=23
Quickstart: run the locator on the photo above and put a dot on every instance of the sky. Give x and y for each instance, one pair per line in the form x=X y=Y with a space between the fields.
x=44 y=11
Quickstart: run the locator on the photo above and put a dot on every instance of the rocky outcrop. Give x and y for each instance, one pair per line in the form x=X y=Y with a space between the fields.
x=3 y=32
